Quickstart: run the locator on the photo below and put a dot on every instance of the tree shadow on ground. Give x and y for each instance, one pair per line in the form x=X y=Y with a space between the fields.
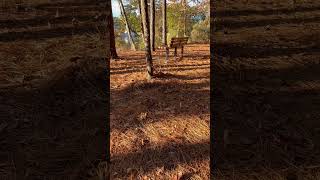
x=168 y=76
x=234 y=24
x=246 y=50
x=48 y=26
x=63 y=8
x=271 y=119
x=168 y=156
x=265 y=112
x=67 y=4
x=56 y=128
x=43 y=21
x=180 y=68
x=251 y=12
x=49 y=33
x=173 y=98
x=163 y=99
x=168 y=66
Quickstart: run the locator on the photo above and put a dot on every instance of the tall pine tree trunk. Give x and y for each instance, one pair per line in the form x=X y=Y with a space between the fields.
x=185 y=18
x=164 y=28
x=108 y=7
x=142 y=31
x=152 y=24
x=164 y=22
x=123 y=12
x=110 y=28
x=146 y=28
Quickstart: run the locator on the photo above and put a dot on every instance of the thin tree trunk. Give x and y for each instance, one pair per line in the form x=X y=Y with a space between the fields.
x=142 y=31
x=110 y=28
x=108 y=8
x=146 y=27
x=123 y=12
x=152 y=24
x=164 y=22
x=185 y=18
x=164 y=28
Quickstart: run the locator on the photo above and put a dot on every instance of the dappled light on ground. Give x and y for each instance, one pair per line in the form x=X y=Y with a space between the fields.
x=160 y=128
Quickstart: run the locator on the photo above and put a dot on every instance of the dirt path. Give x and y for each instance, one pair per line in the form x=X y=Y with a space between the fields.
x=160 y=129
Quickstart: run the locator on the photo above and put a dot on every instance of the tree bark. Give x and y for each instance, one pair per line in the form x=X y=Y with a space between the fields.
x=142 y=31
x=185 y=18
x=123 y=12
x=152 y=24
x=110 y=30
x=146 y=27
x=164 y=28
x=164 y=22
x=108 y=8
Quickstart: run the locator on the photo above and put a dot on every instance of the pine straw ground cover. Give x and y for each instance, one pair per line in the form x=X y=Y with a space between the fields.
x=53 y=108
x=52 y=93
x=267 y=89
x=160 y=129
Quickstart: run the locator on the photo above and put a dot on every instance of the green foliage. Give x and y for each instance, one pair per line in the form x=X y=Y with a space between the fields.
x=201 y=31
x=133 y=17
x=197 y=26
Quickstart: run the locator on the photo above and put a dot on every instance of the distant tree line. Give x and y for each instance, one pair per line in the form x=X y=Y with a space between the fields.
x=147 y=24
x=184 y=18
